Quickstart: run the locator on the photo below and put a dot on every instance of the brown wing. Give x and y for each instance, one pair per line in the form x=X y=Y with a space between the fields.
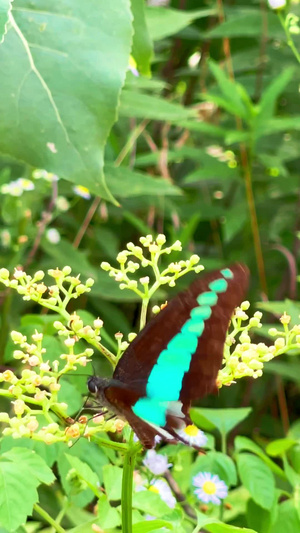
x=200 y=380
x=138 y=360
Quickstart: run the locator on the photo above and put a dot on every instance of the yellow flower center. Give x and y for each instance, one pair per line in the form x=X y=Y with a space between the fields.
x=191 y=430
x=209 y=487
x=154 y=489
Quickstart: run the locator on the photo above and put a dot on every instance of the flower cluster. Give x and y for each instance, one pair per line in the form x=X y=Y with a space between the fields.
x=247 y=358
x=156 y=250
x=33 y=287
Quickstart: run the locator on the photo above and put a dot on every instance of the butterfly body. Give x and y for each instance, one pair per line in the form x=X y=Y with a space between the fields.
x=175 y=359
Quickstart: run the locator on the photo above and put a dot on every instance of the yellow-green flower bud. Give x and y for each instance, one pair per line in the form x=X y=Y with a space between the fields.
x=161 y=239
x=39 y=275
x=105 y=266
x=155 y=309
x=285 y=319
x=245 y=305
x=131 y=336
x=4 y=273
x=273 y=332
x=17 y=337
x=4 y=418
x=19 y=407
x=254 y=322
x=122 y=257
x=89 y=282
x=67 y=270
x=279 y=343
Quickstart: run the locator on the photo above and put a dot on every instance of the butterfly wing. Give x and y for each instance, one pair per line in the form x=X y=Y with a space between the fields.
x=176 y=357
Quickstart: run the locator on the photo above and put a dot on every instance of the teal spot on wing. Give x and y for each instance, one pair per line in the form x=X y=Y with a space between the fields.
x=203 y=312
x=184 y=341
x=218 y=285
x=193 y=327
x=178 y=358
x=227 y=273
x=207 y=298
x=151 y=410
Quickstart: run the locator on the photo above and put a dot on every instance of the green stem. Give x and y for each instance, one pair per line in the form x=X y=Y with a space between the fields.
x=224 y=450
x=48 y=518
x=143 y=316
x=127 y=483
x=290 y=41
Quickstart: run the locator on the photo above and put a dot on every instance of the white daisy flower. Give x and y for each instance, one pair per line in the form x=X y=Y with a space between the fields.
x=156 y=463
x=210 y=488
x=193 y=436
x=82 y=191
x=162 y=488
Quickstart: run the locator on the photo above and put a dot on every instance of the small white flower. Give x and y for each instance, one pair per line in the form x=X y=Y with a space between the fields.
x=210 y=488
x=162 y=488
x=276 y=4
x=82 y=191
x=193 y=436
x=53 y=236
x=27 y=185
x=156 y=463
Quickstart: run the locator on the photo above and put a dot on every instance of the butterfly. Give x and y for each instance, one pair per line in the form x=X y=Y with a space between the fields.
x=175 y=359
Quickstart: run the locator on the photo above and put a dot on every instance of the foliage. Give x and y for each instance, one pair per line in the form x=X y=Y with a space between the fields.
x=120 y=119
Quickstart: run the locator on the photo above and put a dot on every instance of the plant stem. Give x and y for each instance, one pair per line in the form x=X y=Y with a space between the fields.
x=127 y=483
x=48 y=518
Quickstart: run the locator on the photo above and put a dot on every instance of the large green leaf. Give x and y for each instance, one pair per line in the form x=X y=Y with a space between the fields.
x=224 y=419
x=287 y=520
x=163 y=22
x=257 y=478
x=5 y=6
x=243 y=443
x=142 y=48
x=62 y=66
x=20 y=475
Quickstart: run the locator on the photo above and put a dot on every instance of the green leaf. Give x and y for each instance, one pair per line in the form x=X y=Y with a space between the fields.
x=83 y=470
x=244 y=22
x=270 y=95
x=214 y=526
x=231 y=92
x=108 y=517
x=257 y=478
x=259 y=518
x=217 y=463
x=243 y=443
x=23 y=457
x=63 y=67
x=163 y=22
x=139 y=105
x=5 y=7
x=126 y=183
x=150 y=502
x=224 y=420
x=142 y=48
x=150 y=525
x=112 y=478
x=17 y=497
x=46 y=452
x=287 y=520
x=280 y=446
